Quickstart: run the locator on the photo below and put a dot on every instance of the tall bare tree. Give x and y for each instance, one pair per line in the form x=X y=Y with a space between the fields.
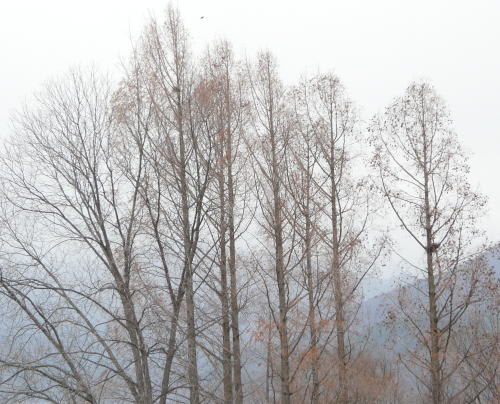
x=269 y=148
x=184 y=134
x=423 y=176
x=229 y=92
x=64 y=177
x=301 y=184
x=342 y=199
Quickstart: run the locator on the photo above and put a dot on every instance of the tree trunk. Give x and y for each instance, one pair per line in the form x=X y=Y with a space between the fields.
x=226 y=343
x=313 y=346
x=436 y=383
x=337 y=282
x=191 y=338
x=280 y=278
x=188 y=265
x=235 y=327
x=269 y=374
x=170 y=354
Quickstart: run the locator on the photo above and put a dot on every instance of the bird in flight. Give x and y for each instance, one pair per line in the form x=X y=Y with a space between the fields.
x=202 y=17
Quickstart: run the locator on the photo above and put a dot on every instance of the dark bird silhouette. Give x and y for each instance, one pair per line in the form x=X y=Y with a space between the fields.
x=202 y=17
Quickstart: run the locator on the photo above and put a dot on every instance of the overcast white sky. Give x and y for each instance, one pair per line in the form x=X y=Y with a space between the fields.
x=376 y=47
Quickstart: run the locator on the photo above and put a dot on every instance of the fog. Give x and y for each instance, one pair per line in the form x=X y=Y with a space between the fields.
x=376 y=48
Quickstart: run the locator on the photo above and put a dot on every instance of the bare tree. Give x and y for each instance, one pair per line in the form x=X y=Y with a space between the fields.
x=229 y=92
x=269 y=148
x=342 y=200
x=301 y=184
x=66 y=188
x=183 y=140
x=423 y=176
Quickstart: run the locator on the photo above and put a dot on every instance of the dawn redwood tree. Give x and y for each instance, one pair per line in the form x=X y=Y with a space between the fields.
x=225 y=85
x=183 y=141
x=220 y=222
x=422 y=172
x=300 y=182
x=348 y=238
x=269 y=147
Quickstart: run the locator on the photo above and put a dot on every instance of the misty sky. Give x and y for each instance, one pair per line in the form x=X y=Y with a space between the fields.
x=376 y=47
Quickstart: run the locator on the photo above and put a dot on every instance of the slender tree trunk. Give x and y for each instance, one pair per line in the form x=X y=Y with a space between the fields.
x=280 y=278
x=283 y=326
x=337 y=283
x=139 y=351
x=339 y=313
x=313 y=347
x=268 y=364
x=235 y=327
x=194 y=387
x=313 y=343
x=436 y=383
x=191 y=337
x=226 y=342
x=171 y=349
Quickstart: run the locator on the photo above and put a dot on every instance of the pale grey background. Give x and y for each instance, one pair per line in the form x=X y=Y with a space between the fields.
x=376 y=47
